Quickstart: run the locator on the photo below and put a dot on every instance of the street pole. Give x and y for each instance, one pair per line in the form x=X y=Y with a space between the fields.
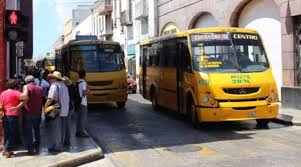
x=2 y=47
x=2 y=61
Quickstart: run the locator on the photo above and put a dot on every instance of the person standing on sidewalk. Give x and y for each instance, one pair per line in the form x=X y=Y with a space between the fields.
x=12 y=101
x=70 y=87
x=32 y=114
x=58 y=126
x=42 y=82
x=82 y=106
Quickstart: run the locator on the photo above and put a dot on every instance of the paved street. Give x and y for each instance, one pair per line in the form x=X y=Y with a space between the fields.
x=141 y=137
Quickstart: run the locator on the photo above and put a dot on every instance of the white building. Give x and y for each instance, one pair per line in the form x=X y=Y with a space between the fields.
x=84 y=28
x=134 y=20
x=102 y=24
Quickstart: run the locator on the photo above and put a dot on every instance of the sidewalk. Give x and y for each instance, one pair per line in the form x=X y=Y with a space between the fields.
x=289 y=116
x=82 y=150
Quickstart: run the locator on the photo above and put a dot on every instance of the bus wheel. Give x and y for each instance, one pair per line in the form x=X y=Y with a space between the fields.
x=193 y=114
x=155 y=101
x=121 y=104
x=263 y=123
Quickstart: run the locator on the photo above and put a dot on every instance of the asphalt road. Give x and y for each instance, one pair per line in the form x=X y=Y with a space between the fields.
x=138 y=136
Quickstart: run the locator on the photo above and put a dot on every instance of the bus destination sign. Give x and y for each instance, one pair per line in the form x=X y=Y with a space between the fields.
x=209 y=37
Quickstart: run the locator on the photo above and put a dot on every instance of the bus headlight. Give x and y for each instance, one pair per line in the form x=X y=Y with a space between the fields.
x=273 y=98
x=205 y=99
x=208 y=101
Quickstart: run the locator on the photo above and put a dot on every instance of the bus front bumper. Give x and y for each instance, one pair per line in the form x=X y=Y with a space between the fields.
x=231 y=114
x=109 y=96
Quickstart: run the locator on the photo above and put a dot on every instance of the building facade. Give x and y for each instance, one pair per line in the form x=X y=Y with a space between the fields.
x=102 y=19
x=68 y=30
x=84 y=28
x=78 y=16
x=277 y=21
x=134 y=20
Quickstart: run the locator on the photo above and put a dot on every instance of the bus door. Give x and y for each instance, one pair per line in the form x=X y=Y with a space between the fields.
x=182 y=53
x=168 y=74
x=144 y=76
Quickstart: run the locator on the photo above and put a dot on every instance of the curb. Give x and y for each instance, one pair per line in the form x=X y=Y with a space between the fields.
x=88 y=156
x=285 y=120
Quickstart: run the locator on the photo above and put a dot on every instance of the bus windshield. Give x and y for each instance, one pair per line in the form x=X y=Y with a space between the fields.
x=50 y=62
x=228 y=52
x=96 y=58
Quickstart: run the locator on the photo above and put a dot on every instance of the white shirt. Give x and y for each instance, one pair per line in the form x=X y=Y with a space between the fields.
x=44 y=84
x=64 y=96
x=83 y=87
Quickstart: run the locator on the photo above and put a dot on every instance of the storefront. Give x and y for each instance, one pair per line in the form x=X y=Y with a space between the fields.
x=131 y=60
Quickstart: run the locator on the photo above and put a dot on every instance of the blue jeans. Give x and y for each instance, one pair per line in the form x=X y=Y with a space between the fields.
x=81 y=119
x=11 y=127
x=32 y=131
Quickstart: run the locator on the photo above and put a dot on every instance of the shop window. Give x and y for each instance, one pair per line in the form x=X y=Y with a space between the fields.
x=298 y=47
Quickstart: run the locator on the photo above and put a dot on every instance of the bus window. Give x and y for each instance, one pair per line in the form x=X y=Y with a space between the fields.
x=170 y=53
x=186 y=58
x=106 y=58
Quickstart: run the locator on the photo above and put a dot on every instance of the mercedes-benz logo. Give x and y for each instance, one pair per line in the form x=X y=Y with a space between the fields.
x=242 y=91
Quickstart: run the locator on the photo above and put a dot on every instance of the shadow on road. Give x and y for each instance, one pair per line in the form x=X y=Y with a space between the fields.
x=138 y=127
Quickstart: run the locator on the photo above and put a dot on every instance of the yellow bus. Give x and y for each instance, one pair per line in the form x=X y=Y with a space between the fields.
x=49 y=64
x=210 y=75
x=103 y=62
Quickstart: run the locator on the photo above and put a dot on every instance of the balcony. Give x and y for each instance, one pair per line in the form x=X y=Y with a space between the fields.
x=141 y=10
x=126 y=18
x=105 y=8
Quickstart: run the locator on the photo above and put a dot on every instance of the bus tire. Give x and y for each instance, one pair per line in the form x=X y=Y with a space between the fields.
x=154 y=100
x=193 y=114
x=121 y=104
x=263 y=123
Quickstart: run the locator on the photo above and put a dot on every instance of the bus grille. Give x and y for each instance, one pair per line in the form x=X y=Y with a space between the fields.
x=241 y=91
x=100 y=83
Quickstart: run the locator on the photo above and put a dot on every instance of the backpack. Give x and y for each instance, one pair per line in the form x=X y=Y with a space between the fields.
x=71 y=95
x=77 y=99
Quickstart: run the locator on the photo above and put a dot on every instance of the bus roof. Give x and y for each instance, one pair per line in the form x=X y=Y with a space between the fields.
x=87 y=42
x=198 y=30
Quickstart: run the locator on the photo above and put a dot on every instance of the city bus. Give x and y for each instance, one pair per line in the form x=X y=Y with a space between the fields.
x=49 y=64
x=210 y=75
x=103 y=62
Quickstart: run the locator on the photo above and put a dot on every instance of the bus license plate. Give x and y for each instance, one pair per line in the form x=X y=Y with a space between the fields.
x=252 y=114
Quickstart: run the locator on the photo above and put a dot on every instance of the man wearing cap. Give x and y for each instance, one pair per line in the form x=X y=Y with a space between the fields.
x=32 y=114
x=57 y=128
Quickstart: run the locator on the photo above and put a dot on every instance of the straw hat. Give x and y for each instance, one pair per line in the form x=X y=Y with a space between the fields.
x=67 y=81
x=56 y=75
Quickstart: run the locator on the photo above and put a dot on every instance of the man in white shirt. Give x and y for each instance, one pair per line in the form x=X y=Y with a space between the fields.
x=82 y=113
x=58 y=127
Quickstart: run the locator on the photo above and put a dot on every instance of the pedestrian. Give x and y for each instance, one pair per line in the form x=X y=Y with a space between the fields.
x=57 y=127
x=12 y=101
x=82 y=105
x=32 y=115
x=1 y=127
x=42 y=82
x=70 y=87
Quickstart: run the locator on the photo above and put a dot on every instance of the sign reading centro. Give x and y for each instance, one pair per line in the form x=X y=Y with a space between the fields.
x=245 y=36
